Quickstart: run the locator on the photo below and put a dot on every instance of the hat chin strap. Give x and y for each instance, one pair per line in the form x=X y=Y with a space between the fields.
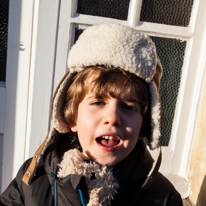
x=153 y=172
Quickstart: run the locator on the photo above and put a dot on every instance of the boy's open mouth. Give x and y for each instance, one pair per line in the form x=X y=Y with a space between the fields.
x=108 y=141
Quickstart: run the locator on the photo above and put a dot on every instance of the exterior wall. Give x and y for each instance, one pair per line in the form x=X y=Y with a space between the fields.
x=197 y=172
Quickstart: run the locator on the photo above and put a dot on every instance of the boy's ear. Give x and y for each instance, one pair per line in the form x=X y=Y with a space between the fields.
x=73 y=128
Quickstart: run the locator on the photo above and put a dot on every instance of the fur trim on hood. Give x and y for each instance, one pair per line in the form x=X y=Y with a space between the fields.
x=102 y=188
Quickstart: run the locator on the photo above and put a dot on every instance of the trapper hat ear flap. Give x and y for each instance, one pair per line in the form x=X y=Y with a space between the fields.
x=58 y=104
x=158 y=74
x=155 y=108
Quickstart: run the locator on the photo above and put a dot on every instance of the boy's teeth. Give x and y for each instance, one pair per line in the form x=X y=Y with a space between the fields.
x=108 y=140
x=109 y=137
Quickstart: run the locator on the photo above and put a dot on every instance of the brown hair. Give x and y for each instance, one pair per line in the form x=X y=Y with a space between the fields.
x=113 y=81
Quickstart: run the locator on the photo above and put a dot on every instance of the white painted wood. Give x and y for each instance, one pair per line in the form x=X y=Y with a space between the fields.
x=193 y=85
x=134 y=12
x=166 y=164
x=17 y=80
x=163 y=30
x=42 y=70
x=72 y=8
x=93 y=20
x=2 y=108
x=194 y=13
x=151 y=28
x=63 y=40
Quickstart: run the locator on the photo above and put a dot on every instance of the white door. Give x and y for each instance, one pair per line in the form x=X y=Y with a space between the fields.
x=178 y=30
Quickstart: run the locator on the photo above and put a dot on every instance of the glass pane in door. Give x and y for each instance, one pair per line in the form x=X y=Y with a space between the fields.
x=4 y=10
x=115 y=9
x=170 y=12
x=171 y=53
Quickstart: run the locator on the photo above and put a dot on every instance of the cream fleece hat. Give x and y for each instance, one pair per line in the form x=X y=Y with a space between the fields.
x=113 y=45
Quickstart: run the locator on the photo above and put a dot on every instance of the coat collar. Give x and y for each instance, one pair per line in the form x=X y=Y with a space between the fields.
x=139 y=158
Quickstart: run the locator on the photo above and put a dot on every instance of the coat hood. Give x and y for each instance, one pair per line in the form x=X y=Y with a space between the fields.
x=111 y=45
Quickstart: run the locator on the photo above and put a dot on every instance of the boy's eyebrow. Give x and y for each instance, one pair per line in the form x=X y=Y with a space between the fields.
x=125 y=100
x=90 y=96
x=130 y=101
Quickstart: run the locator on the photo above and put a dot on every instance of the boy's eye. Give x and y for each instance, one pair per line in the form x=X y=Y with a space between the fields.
x=98 y=103
x=129 y=107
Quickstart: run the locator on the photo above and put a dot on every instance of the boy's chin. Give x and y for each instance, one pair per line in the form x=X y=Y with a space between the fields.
x=108 y=161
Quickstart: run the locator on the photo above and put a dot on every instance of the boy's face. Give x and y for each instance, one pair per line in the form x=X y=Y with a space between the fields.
x=108 y=129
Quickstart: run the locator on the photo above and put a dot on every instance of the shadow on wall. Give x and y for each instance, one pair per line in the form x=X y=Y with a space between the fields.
x=201 y=200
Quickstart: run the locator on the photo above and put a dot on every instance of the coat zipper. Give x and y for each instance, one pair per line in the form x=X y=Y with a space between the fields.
x=55 y=193
x=81 y=195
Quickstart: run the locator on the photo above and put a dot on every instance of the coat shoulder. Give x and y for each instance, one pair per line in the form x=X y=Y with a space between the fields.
x=162 y=188
x=13 y=193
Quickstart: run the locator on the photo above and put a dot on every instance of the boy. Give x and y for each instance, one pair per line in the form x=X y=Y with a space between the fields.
x=104 y=106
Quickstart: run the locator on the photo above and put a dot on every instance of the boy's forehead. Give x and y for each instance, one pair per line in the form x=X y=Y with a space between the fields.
x=125 y=97
x=110 y=87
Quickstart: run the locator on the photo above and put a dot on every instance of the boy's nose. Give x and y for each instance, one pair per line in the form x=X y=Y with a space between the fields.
x=112 y=117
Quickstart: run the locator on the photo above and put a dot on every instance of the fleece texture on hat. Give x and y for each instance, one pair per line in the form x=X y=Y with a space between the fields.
x=113 y=45
x=117 y=46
